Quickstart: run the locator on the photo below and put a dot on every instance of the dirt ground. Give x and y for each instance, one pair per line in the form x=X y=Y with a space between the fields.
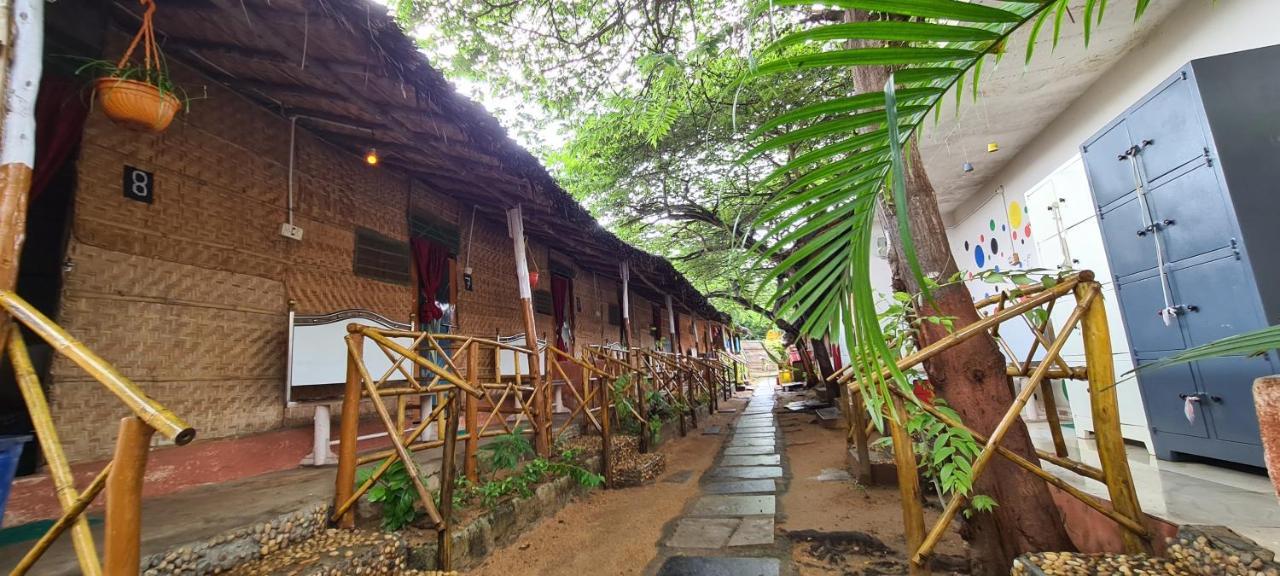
x=612 y=531
x=836 y=526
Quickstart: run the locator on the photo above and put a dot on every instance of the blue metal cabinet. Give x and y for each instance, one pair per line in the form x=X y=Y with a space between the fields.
x=1186 y=182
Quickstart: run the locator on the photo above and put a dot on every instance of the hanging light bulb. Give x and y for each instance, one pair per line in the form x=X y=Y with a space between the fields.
x=371 y=156
x=967 y=167
x=993 y=147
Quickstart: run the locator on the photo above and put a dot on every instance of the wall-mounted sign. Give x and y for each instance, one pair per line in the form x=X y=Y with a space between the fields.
x=139 y=184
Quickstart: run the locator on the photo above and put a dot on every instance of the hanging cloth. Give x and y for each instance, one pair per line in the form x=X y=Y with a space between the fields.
x=559 y=304
x=60 y=116
x=431 y=261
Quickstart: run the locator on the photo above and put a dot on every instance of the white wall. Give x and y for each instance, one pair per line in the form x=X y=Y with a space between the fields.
x=1047 y=172
x=1201 y=28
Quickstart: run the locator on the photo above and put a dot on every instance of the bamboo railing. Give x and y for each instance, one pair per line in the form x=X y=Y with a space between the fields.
x=1089 y=314
x=121 y=478
x=490 y=404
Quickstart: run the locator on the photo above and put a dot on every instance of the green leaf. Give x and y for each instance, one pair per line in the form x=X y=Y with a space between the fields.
x=1251 y=343
x=940 y=9
x=886 y=30
x=864 y=57
x=899 y=185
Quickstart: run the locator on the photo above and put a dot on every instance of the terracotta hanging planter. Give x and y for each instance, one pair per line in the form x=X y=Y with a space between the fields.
x=137 y=105
x=533 y=279
x=135 y=96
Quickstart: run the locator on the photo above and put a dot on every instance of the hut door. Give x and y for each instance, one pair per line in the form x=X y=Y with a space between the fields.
x=434 y=265
x=562 y=308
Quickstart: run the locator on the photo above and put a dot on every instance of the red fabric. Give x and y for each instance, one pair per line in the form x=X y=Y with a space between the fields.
x=432 y=261
x=559 y=299
x=60 y=115
x=923 y=391
x=836 y=361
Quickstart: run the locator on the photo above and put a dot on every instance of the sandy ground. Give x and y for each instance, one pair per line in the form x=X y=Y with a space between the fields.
x=612 y=531
x=838 y=527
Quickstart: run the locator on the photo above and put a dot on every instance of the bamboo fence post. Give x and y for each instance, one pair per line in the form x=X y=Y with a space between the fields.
x=123 y=531
x=473 y=415
x=642 y=403
x=692 y=396
x=904 y=458
x=997 y=435
x=47 y=434
x=606 y=435
x=1106 y=411
x=861 y=441
x=448 y=470
x=1051 y=414
x=349 y=430
x=515 y=227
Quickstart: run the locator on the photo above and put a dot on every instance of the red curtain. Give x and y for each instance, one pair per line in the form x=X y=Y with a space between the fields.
x=432 y=262
x=559 y=303
x=60 y=115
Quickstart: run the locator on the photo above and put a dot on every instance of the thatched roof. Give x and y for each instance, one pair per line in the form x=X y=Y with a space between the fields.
x=348 y=62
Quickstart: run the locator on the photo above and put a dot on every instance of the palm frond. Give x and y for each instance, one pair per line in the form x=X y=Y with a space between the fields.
x=847 y=152
x=1248 y=344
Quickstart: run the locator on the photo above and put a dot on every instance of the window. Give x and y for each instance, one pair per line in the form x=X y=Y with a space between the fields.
x=615 y=315
x=542 y=303
x=381 y=258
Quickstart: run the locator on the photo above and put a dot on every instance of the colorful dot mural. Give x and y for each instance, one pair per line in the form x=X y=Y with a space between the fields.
x=979 y=257
x=1015 y=214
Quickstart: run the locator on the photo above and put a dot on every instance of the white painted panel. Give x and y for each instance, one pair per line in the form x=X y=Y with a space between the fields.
x=319 y=353
x=1072 y=189
x=1049 y=252
x=509 y=359
x=1131 y=410
x=1084 y=243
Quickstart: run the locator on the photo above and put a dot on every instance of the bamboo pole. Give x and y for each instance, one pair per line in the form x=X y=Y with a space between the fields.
x=379 y=337
x=904 y=458
x=642 y=401
x=24 y=45
x=155 y=415
x=348 y=431
x=47 y=434
x=1106 y=411
x=448 y=470
x=68 y=519
x=997 y=435
x=122 y=535
x=515 y=227
x=606 y=436
x=984 y=324
x=861 y=440
x=470 y=463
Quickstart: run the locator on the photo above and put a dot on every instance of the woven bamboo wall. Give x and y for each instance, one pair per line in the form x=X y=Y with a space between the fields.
x=188 y=295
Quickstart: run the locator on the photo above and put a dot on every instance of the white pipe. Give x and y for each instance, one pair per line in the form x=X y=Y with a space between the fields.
x=671 y=324
x=19 y=144
x=293 y=129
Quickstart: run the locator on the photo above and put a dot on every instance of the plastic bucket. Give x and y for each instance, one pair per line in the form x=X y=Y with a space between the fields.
x=10 y=452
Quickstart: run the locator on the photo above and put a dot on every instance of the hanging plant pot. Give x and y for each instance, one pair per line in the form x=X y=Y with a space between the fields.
x=533 y=279
x=137 y=105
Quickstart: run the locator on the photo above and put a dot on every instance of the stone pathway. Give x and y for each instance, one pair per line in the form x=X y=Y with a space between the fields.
x=729 y=529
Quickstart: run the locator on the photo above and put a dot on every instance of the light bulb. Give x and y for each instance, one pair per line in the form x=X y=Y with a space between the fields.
x=371 y=156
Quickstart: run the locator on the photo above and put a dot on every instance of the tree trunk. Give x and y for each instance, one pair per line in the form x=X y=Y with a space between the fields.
x=971 y=378
x=822 y=357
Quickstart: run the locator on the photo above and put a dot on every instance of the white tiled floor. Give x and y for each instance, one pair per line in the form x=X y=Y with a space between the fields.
x=1184 y=492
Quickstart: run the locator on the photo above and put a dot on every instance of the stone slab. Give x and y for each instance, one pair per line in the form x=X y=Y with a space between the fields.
x=719 y=566
x=748 y=450
x=741 y=487
x=755 y=434
x=752 y=441
x=748 y=472
x=702 y=532
x=734 y=505
x=754 y=531
x=754 y=460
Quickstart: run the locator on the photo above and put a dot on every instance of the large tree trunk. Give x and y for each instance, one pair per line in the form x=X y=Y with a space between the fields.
x=822 y=357
x=971 y=378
